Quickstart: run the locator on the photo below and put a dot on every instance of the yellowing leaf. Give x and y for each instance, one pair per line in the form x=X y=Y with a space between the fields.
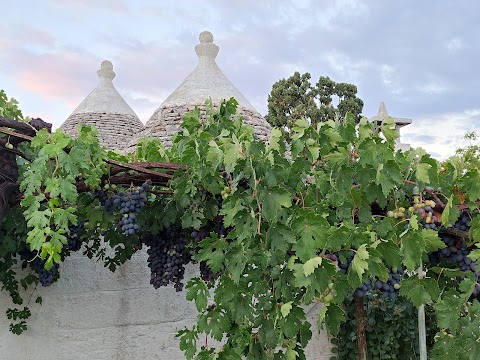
x=285 y=309
x=310 y=266
x=422 y=172
x=359 y=263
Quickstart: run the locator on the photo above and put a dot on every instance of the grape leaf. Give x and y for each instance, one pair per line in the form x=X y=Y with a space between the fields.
x=334 y=319
x=197 y=290
x=475 y=228
x=273 y=200
x=285 y=309
x=450 y=212
x=422 y=172
x=359 y=264
x=420 y=291
x=310 y=266
x=432 y=241
x=389 y=129
x=470 y=184
x=413 y=246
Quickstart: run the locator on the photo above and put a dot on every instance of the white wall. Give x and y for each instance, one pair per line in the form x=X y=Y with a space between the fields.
x=92 y=313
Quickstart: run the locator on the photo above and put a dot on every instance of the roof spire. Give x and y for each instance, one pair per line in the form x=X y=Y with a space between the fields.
x=382 y=111
x=106 y=71
x=206 y=49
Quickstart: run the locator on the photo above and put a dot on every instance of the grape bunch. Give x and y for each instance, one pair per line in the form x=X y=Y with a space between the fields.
x=456 y=252
x=391 y=287
x=344 y=265
x=105 y=201
x=362 y=290
x=46 y=277
x=130 y=203
x=424 y=208
x=463 y=222
x=167 y=257
x=32 y=259
x=74 y=242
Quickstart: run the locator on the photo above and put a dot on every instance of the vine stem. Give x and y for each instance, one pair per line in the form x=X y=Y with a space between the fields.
x=139 y=169
x=15 y=134
x=361 y=325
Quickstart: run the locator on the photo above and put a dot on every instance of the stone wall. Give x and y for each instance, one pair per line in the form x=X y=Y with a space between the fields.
x=93 y=314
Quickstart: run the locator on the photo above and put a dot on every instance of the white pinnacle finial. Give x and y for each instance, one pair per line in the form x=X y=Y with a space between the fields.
x=206 y=37
x=106 y=71
x=206 y=48
x=382 y=111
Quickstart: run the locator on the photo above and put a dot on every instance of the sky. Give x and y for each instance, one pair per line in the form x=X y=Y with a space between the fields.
x=419 y=57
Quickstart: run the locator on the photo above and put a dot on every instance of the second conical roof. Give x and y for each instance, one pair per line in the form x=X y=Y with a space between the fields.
x=205 y=81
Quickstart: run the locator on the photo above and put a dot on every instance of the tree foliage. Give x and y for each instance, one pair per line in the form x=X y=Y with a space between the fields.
x=284 y=217
x=295 y=98
x=468 y=157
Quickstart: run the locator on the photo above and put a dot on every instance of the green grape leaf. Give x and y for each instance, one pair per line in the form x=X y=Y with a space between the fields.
x=389 y=129
x=273 y=200
x=432 y=241
x=420 y=291
x=413 y=246
x=450 y=212
x=197 y=290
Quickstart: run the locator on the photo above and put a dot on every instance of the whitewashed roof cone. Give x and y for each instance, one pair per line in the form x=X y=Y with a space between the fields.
x=105 y=109
x=205 y=81
x=399 y=123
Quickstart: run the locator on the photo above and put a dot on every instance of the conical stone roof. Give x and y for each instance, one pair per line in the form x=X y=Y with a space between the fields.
x=205 y=81
x=105 y=109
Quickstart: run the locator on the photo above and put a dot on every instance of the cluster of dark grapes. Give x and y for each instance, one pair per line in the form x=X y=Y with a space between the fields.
x=362 y=290
x=46 y=277
x=128 y=203
x=167 y=257
x=343 y=265
x=389 y=289
x=31 y=258
x=457 y=250
x=105 y=201
x=463 y=222
x=73 y=237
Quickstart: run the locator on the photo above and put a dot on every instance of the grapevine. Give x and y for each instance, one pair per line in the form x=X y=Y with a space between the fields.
x=271 y=228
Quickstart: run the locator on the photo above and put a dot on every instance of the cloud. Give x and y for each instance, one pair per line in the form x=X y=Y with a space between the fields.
x=112 y=6
x=434 y=86
x=455 y=44
x=28 y=35
x=441 y=133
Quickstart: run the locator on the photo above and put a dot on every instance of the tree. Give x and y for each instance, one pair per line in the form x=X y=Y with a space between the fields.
x=468 y=157
x=295 y=98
